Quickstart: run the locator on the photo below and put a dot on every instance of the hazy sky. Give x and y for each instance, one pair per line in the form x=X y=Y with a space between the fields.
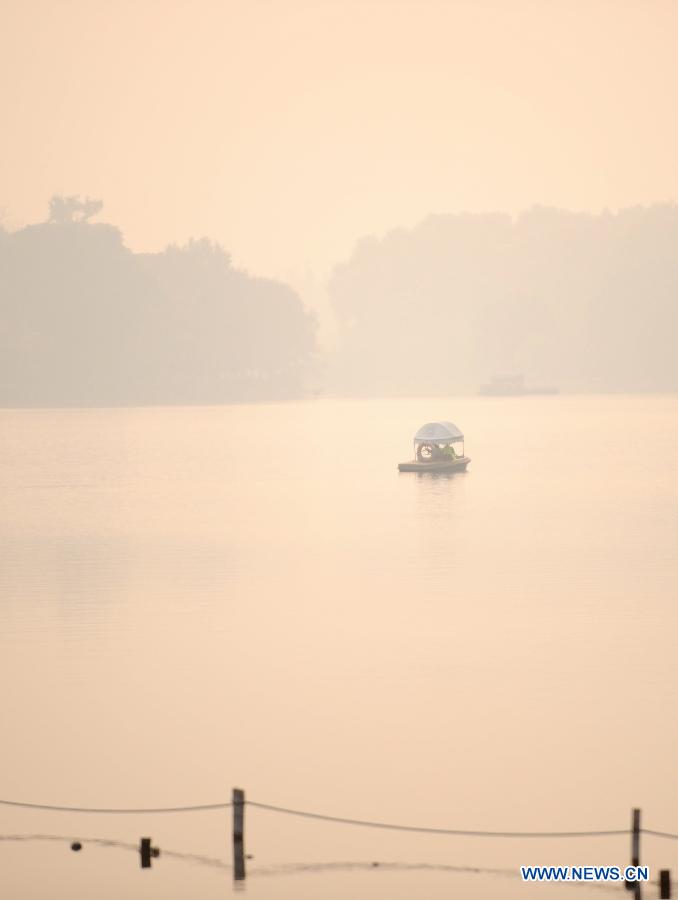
x=286 y=129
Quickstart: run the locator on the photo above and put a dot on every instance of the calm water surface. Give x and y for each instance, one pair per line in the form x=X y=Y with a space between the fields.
x=194 y=599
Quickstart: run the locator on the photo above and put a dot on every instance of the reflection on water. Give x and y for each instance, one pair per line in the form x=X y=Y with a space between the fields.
x=253 y=595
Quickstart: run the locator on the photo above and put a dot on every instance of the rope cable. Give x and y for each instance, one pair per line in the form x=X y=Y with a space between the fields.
x=365 y=823
x=426 y=830
x=299 y=868
x=115 y=811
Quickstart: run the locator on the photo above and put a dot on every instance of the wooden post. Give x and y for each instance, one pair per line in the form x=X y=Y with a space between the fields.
x=635 y=851
x=635 y=839
x=664 y=884
x=145 y=853
x=238 y=835
x=635 y=886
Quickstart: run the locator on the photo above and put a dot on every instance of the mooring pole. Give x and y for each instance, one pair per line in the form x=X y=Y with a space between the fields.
x=664 y=884
x=635 y=886
x=146 y=852
x=238 y=835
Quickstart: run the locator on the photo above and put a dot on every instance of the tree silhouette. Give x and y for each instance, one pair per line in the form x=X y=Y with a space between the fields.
x=87 y=322
x=585 y=302
x=67 y=210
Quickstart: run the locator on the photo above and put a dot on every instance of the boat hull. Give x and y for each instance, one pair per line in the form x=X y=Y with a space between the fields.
x=440 y=465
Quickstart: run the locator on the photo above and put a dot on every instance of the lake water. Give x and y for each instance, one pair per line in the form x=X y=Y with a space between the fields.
x=200 y=598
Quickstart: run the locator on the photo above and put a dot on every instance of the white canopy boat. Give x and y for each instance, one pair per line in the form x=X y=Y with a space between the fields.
x=436 y=449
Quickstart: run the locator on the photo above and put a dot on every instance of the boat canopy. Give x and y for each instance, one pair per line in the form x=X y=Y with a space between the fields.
x=439 y=433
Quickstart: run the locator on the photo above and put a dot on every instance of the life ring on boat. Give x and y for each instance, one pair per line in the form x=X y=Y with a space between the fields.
x=427 y=452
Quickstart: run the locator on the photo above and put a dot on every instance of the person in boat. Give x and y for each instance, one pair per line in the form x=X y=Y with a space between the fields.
x=427 y=453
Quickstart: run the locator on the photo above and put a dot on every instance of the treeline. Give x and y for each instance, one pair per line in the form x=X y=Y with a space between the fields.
x=584 y=302
x=581 y=302
x=87 y=322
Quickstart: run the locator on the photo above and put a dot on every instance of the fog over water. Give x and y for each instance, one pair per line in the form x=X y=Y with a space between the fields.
x=199 y=598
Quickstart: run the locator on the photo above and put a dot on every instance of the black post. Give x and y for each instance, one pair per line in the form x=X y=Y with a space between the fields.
x=664 y=884
x=145 y=853
x=238 y=835
x=635 y=886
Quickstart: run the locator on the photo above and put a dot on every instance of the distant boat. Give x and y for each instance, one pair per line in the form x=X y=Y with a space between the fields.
x=434 y=449
x=512 y=386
